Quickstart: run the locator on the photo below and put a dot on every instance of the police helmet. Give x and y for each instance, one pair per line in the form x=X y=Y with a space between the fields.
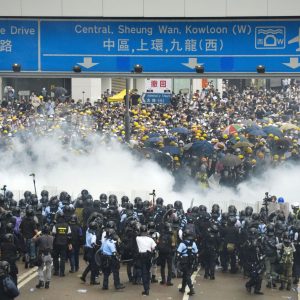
x=178 y=205
x=202 y=208
x=46 y=229
x=4 y=268
x=44 y=193
x=159 y=201
x=248 y=211
x=103 y=197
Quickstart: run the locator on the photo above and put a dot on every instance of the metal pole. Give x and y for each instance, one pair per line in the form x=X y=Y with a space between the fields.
x=191 y=89
x=127 y=116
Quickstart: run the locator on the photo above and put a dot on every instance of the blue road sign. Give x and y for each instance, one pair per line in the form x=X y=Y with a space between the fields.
x=18 y=44
x=226 y=46
x=156 y=98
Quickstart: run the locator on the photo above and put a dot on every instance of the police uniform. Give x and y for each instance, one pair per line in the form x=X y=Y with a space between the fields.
x=187 y=250
x=110 y=263
x=146 y=246
x=89 y=256
x=61 y=232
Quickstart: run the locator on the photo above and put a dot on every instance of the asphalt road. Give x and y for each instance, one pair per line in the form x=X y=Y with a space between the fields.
x=225 y=287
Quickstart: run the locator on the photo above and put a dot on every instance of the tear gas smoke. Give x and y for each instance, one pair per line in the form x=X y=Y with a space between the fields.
x=112 y=168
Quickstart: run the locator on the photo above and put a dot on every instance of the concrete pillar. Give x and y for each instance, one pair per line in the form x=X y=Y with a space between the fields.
x=197 y=84
x=105 y=84
x=90 y=86
x=140 y=85
x=1 y=90
x=220 y=86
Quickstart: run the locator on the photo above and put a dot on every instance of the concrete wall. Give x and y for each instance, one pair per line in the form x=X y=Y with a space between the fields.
x=150 y=8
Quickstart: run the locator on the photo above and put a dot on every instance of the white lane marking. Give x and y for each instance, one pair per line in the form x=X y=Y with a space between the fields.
x=27 y=280
x=26 y=274
x=186 y=296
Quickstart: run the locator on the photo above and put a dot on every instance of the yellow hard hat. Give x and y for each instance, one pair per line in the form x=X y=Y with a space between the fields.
x=253 y=161
x=237 y=138
x=241 y=156
x=249 y=150
x=176 y=158
x=275 y=157
x=276 y=138
x=225 y=136
x=271 y=135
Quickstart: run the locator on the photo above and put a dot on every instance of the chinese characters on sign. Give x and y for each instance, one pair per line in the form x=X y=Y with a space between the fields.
x=158 y=85
x=5 y=46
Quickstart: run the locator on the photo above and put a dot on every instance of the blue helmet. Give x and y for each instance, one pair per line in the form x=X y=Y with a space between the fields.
x=280 y=200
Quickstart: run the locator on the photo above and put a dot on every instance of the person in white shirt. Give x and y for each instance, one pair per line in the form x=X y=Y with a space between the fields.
x=146 y=246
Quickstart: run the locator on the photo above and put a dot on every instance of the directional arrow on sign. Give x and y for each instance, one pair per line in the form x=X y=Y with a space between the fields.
x=294 y=63
x=88 y=63
x=192 y=63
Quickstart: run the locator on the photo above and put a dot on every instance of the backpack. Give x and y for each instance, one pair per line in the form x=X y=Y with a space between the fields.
x=287 y=255
x=10 y=288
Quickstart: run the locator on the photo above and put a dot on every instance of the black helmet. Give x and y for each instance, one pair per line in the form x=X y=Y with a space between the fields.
x=178 y=205
x=79 y=203
x=146 y=204
x=143 y=229
x=46 y=229
x=9 y=195
x=16 y=211
x=286 y=237
x=139 y=205
x=270 y=229
x=44 y=193
x=111 y=224
x=248 y=211
x=110 y=233
x=151 y=225
x=29 y=211
x=255 y=217
x=93 y=226
x=253 y=232
x=232 y=210
x=195 y=209
x=137 y=199
x=159 y=201
x=27 y=194
x=84 y=193
x=22 y=204
x=96 y=204
x=169 y=206
x=9 y=227
x=103 y=197
x=281 y=217
x=124 y=200
x=168 y=227
x=215 y=208
x=188 y=234
x=129 y=206
x=225 y=216
x=232 y=220
x=202 y=208
x=112 y=200
x=4 y=268
x=34 y=200
x=8 y=238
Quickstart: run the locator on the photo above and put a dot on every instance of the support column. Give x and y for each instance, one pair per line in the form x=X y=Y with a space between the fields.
x=127 y=116
x=105 y=85
x=86 y=88
x=1 y=90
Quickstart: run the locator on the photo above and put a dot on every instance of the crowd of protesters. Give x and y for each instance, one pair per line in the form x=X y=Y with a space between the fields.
x=229 y=136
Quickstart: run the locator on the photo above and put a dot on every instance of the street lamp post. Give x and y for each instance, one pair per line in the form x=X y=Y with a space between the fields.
x=83 y=92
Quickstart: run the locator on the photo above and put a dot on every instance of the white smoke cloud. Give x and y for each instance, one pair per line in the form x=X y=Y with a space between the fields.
x=113 y=169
